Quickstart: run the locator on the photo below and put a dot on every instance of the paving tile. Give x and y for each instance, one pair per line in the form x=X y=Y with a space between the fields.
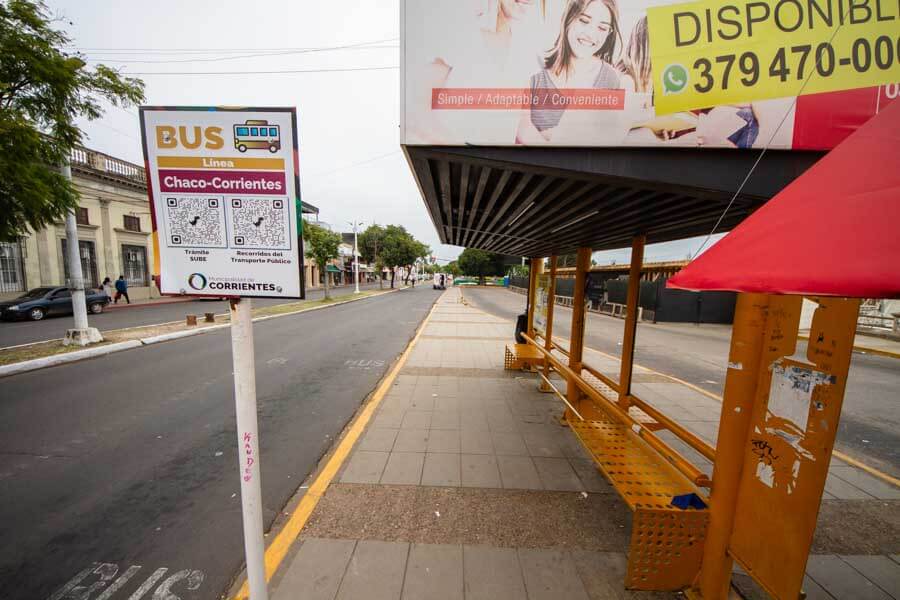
x=364 y=467
x=492 y=573
x=395 y=403
x=403 y=468
x=473 y=420
x=813 y=590
x=557 y=474
x=602 y=573
x=441 y=469
x=508 y=443
x=422 y=403
x=480 y=470
x=550 y=575
x=378 y=440
x=590 y=476
x=375 y=571
x=518 y=472
x=316 y=570
x=501 y=420
x=476 y=442
x=867 y=483
x=445 y=402
x=542 y=444
x=841 y=580
x=416 y=419
x=443 y=440
x=445 y=419
x=411 y=440
x=880 y=570
x=842 y=490
x=434 y=572
x=388 y=418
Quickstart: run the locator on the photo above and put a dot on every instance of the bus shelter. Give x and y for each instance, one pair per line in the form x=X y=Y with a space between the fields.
x=550 y=127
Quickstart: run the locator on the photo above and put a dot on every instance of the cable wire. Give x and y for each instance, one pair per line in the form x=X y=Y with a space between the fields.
x=768 y=143
x=336 y=70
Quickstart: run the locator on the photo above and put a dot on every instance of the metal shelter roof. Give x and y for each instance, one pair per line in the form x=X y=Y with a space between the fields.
x=542 y=201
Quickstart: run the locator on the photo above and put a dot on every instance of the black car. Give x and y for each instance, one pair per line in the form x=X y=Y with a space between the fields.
x=43 y=301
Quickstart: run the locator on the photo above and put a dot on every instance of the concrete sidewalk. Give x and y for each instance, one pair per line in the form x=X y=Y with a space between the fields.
x=464 y=485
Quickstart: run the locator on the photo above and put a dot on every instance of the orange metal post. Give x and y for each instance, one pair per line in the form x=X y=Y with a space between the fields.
x=631 y=310
x=576 y=339
x=532 y=294
x=548 y=337
x=741 y=380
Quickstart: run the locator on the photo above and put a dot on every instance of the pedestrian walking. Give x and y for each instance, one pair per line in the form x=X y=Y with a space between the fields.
x=121 y=290
x=107 y=288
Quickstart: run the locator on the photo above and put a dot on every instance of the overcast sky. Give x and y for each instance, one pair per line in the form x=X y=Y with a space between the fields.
x=351 y=166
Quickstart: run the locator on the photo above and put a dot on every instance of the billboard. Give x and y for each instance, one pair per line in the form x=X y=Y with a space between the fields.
x=787 y=74
x=224 y=195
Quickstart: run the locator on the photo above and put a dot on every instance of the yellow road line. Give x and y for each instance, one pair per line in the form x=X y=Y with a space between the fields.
x=848 y=459
x=279 y=547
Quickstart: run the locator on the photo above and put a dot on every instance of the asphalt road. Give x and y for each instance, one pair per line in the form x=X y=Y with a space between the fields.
x=870 y=421
x=131 y=460
x=13 y=333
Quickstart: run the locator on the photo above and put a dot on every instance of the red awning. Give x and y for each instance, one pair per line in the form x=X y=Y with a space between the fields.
x=835 y=231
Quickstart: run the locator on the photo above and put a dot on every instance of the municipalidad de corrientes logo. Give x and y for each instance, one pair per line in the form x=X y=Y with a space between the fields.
x=197 y=281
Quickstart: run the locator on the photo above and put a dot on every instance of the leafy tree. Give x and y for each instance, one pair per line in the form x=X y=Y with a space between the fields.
x=371 y=244
x=401 y=249
x=453 y=268
x=43 y=91
x=322 y=247
x=479 y=263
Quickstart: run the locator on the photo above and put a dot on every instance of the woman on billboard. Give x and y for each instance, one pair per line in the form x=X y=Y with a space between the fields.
x=482 y=44
x=582 y=57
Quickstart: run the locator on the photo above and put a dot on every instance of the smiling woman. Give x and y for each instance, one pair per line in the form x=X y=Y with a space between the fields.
x=581 y=58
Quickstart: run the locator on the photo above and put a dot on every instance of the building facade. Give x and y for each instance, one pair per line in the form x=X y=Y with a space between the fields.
x=114 y=233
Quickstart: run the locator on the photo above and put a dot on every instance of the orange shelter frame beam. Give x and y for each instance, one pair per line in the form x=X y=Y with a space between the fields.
x=576 y=337
x=631 y=311
x=548 y=335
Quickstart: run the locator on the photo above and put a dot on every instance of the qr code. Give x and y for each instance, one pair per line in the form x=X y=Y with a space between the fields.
x=197 y=222
x=259 y=223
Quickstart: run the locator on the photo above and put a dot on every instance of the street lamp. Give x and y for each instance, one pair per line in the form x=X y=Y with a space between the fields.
x=355 y=226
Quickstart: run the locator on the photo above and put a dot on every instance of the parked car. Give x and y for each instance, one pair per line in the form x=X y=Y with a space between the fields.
x=44 y=301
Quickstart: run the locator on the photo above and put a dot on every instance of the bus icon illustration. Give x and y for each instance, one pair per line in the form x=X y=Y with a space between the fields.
x=257 y=135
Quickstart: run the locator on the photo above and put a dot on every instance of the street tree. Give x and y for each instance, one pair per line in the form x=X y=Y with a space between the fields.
x=480 y=263
x=44 y=90
x=401 y=249
x=322 y=247
x=370 y=241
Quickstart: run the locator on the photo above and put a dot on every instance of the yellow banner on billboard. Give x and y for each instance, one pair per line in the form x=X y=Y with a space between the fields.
x=717 y=52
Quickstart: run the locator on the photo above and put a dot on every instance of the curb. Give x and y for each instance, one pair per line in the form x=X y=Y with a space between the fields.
x=864 y=349
x=78 y=355
x=59 y=359
x=147 y=304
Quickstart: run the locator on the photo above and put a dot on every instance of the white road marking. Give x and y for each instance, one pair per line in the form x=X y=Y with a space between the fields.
x=194 y=579
x=147 y=585
x=118 y=583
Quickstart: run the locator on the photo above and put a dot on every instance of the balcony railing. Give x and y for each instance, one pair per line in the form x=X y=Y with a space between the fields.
x=98 y=162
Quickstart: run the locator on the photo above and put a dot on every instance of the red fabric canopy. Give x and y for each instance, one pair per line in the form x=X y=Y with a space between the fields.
x=835 y=231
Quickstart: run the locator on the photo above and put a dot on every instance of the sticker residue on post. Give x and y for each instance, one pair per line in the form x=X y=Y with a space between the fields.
x=790 y=393
x=736 y=366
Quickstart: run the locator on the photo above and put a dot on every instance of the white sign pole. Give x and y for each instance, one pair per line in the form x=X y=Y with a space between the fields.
x=248 y=444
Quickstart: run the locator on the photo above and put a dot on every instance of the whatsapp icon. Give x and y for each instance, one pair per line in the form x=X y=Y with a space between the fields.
x=675 y=79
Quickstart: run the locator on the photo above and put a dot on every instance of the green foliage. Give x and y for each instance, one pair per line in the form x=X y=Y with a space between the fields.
x=453 y=268
x=321 y=246
x=401 y=249
x=370 y=243
x=518 y=271
x=479 y=263
x=43 y=90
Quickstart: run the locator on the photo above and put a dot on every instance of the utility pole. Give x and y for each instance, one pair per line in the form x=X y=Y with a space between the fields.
x=82 y=334
x=355 y=255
